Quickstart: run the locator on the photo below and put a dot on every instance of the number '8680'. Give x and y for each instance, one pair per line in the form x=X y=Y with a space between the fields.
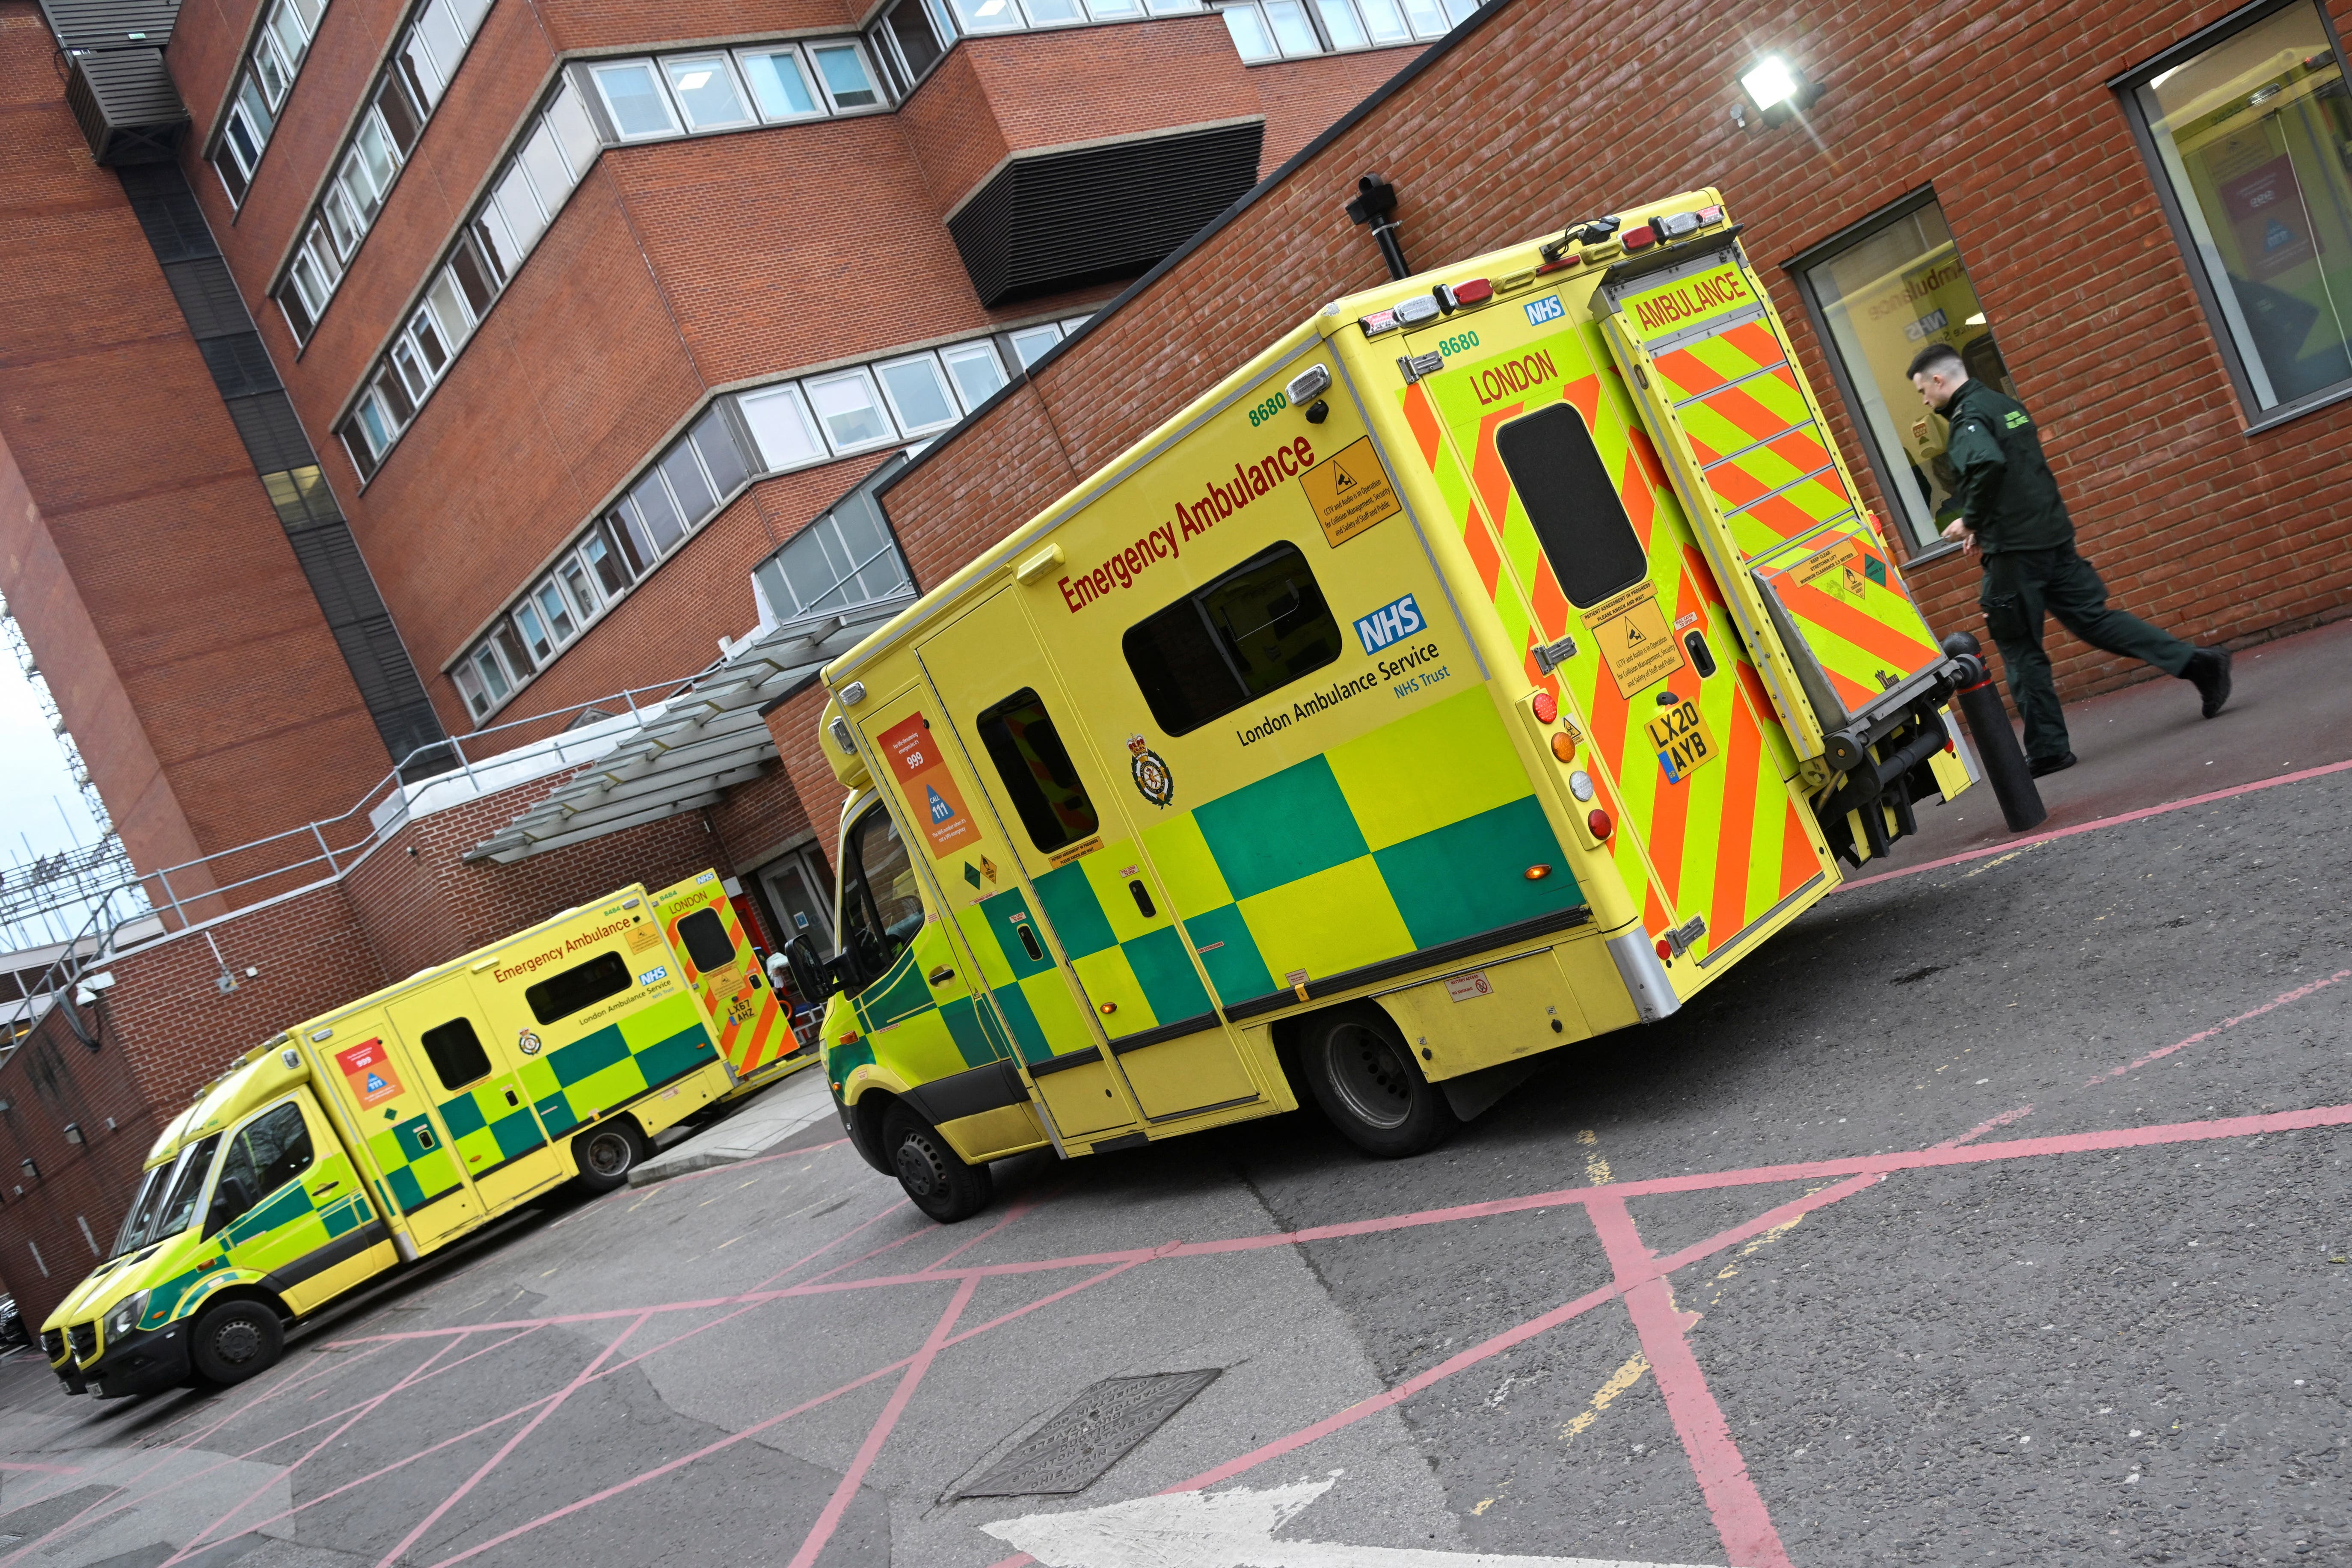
x=1456 y=344
x=1269 y=408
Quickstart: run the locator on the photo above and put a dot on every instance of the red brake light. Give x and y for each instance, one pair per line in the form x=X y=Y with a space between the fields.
x=1547 y=707
x=1665 y=948
x=1564 y=263
x=1640 y=239
x=1477 y=291
x=1597 y=820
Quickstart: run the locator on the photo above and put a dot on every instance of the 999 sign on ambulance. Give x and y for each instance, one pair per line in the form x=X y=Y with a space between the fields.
x=1489 y=663
x=392 y=1126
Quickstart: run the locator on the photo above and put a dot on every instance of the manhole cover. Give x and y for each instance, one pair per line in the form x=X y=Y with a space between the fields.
x=1090 y=1434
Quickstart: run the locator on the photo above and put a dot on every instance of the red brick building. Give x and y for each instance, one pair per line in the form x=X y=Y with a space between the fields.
x=596 y=334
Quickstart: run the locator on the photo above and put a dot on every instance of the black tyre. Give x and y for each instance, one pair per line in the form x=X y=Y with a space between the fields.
x=607 y=1154
x=236 y=1340
x=936 y=1180
x=1363 y=1076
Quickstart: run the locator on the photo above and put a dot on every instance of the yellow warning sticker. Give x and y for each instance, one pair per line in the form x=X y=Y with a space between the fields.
x=643 y=937
x=1635 y=642
x=1350 y=491
x=1836 y=570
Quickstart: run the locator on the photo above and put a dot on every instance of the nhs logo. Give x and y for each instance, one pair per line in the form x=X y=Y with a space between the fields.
x=1389 y=624
x=1547 y=309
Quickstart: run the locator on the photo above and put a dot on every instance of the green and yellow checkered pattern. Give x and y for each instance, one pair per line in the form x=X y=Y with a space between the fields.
x=286 y=1227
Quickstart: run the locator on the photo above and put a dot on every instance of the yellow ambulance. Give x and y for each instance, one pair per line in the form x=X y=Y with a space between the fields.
x=1490 y=662
x=376 y=1133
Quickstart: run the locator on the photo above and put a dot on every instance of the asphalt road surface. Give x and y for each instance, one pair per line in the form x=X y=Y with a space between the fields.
x=1995 y=1213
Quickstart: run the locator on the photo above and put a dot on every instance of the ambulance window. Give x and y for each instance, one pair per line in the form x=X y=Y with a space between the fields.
x=881 y=906
x=455 y=1052
x=1261 y=626
x=143 y=1204
x=188 y=1182
x=706 y=940
x=581 y=985
x=1571 y=499
x=1038 y=772
x=270 y=1153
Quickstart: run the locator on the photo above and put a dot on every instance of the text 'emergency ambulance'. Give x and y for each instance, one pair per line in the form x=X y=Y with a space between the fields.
x=1220 y=501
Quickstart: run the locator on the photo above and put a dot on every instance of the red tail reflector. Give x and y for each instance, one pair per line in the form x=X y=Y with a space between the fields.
x=1597 y=820
x=1547 y=707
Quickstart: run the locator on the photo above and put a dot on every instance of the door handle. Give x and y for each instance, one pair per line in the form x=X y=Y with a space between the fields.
x=425 y=1138
x=322 y=1192
x=941 y=976
x=511 y=1100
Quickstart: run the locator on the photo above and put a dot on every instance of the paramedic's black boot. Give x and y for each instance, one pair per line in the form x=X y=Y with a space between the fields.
x=2039 y=766
x=2209 y=671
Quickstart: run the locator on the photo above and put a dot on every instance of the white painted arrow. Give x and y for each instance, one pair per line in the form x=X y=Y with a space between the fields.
x=1232 y=1529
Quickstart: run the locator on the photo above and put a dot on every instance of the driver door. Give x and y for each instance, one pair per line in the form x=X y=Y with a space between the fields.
x=284 y=1212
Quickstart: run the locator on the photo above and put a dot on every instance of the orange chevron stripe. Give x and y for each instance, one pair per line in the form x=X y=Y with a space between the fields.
x=1757 y=340
x=1873 y=636
x=1797 y=863
x=1737 y=848
x=1422 y=418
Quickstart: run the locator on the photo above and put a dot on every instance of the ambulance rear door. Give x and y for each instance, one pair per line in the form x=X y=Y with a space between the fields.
x=1587 y=558
x=706 y=931
x=1808 y=576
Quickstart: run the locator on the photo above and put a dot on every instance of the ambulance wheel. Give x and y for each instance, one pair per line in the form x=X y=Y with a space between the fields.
x=606 y=1155
x=236 y=1340
x=1364 y=1077
x=936 y=1180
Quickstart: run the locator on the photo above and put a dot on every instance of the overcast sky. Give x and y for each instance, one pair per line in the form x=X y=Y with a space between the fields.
x=34 y=782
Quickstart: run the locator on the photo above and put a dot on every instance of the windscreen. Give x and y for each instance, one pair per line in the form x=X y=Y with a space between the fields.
x=143 y=1204
x=179 y=1205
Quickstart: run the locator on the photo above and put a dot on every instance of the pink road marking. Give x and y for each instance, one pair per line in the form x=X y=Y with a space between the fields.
x=1737 y=1508
x=2201 y=1035
x=1994 y=1125
x=508 y=1446
x=2115 y=821
x=828 y=1519
x=366 y=1407
x=1020 y=1207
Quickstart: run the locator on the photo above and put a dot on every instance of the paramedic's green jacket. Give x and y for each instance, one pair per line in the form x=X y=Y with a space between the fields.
x=2007 y=493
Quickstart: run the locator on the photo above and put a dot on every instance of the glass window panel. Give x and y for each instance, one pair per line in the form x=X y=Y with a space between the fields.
x=427 y=338
x=470 y=687
x=375 y=425
x=779 y=83
x=475 y=279
x=310 y=11
x=1045 y=13
x=721 y=458
x=687 y=484
x=781 y=428
x=358 y=188
x=308 y=281
x=257 y=108
x=1384 y=21
x=444 y=35
x=846 y=80
x=270 y=69
x=417 y=65
x=655 y=514
x=1884 y=298
x=706 y=92
x=227 y=165
x=2254 y=136
x=873 y=564
x=1254 y=630
x=1428 y=18
x=629 y=537
x=634 y=100
x=846 y=405
x=411 y=371
x=395 y=397
x=1108 y=10
x=322 y=251
x=1036 y=771
x=550 y=176
x=301 y=315
x=910 y=26
x=976 y=371
x=293 y=36
x=449 y=307
x=1030 y=343
x=985 y=15
x=1252 y=41
x=375 y=147
x=510 y=645
x=516 y=203
x=1292 y=30
x=612 y=572
x=534 y=634
x=1460 y=11
x=1173 y=7
x=575 y=132
x=342 y=221
x=568 y=990
x=558 y=613
x=1340 y=25
x=401 y=115
x=468 y=14
x=918 y=392
x=579 y=586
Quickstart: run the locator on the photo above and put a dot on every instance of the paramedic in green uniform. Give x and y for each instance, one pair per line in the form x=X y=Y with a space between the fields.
x=2011 y=509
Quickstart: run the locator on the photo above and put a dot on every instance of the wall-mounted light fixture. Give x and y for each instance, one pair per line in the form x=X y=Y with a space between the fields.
x=32 y=1172
x=1775 y=90
x=73 y=1131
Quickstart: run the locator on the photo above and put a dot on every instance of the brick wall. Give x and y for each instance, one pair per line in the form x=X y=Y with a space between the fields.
x=1548 y=111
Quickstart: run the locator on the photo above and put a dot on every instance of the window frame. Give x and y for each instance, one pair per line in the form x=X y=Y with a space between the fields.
x=862 y=375
x=2126 y=86
x=874 y=79
x=942 y=381
x=652 y=66
x=801 y=68
x=724 y=60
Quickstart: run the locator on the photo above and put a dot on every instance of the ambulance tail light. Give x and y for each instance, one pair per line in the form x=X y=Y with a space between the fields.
x=1597 y=820
x=1638 y=239
x=1452 y=297
x=1546 y=706
x=1563 y=746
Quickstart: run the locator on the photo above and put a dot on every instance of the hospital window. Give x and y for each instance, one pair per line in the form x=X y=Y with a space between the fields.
x=2250 y=136
x=1039 y=777
x=1879 y=293
x=1258 y=627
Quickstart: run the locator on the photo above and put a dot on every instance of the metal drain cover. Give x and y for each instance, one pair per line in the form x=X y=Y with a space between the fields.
x=1090 y=1434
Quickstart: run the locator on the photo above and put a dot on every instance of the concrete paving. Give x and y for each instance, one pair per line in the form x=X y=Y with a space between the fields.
x=764 y=1122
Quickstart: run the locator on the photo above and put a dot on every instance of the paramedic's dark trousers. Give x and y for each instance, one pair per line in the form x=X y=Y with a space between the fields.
x=2020 y=587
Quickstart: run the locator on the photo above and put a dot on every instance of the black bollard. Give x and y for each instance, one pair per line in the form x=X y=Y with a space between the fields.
x=1997 y=748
